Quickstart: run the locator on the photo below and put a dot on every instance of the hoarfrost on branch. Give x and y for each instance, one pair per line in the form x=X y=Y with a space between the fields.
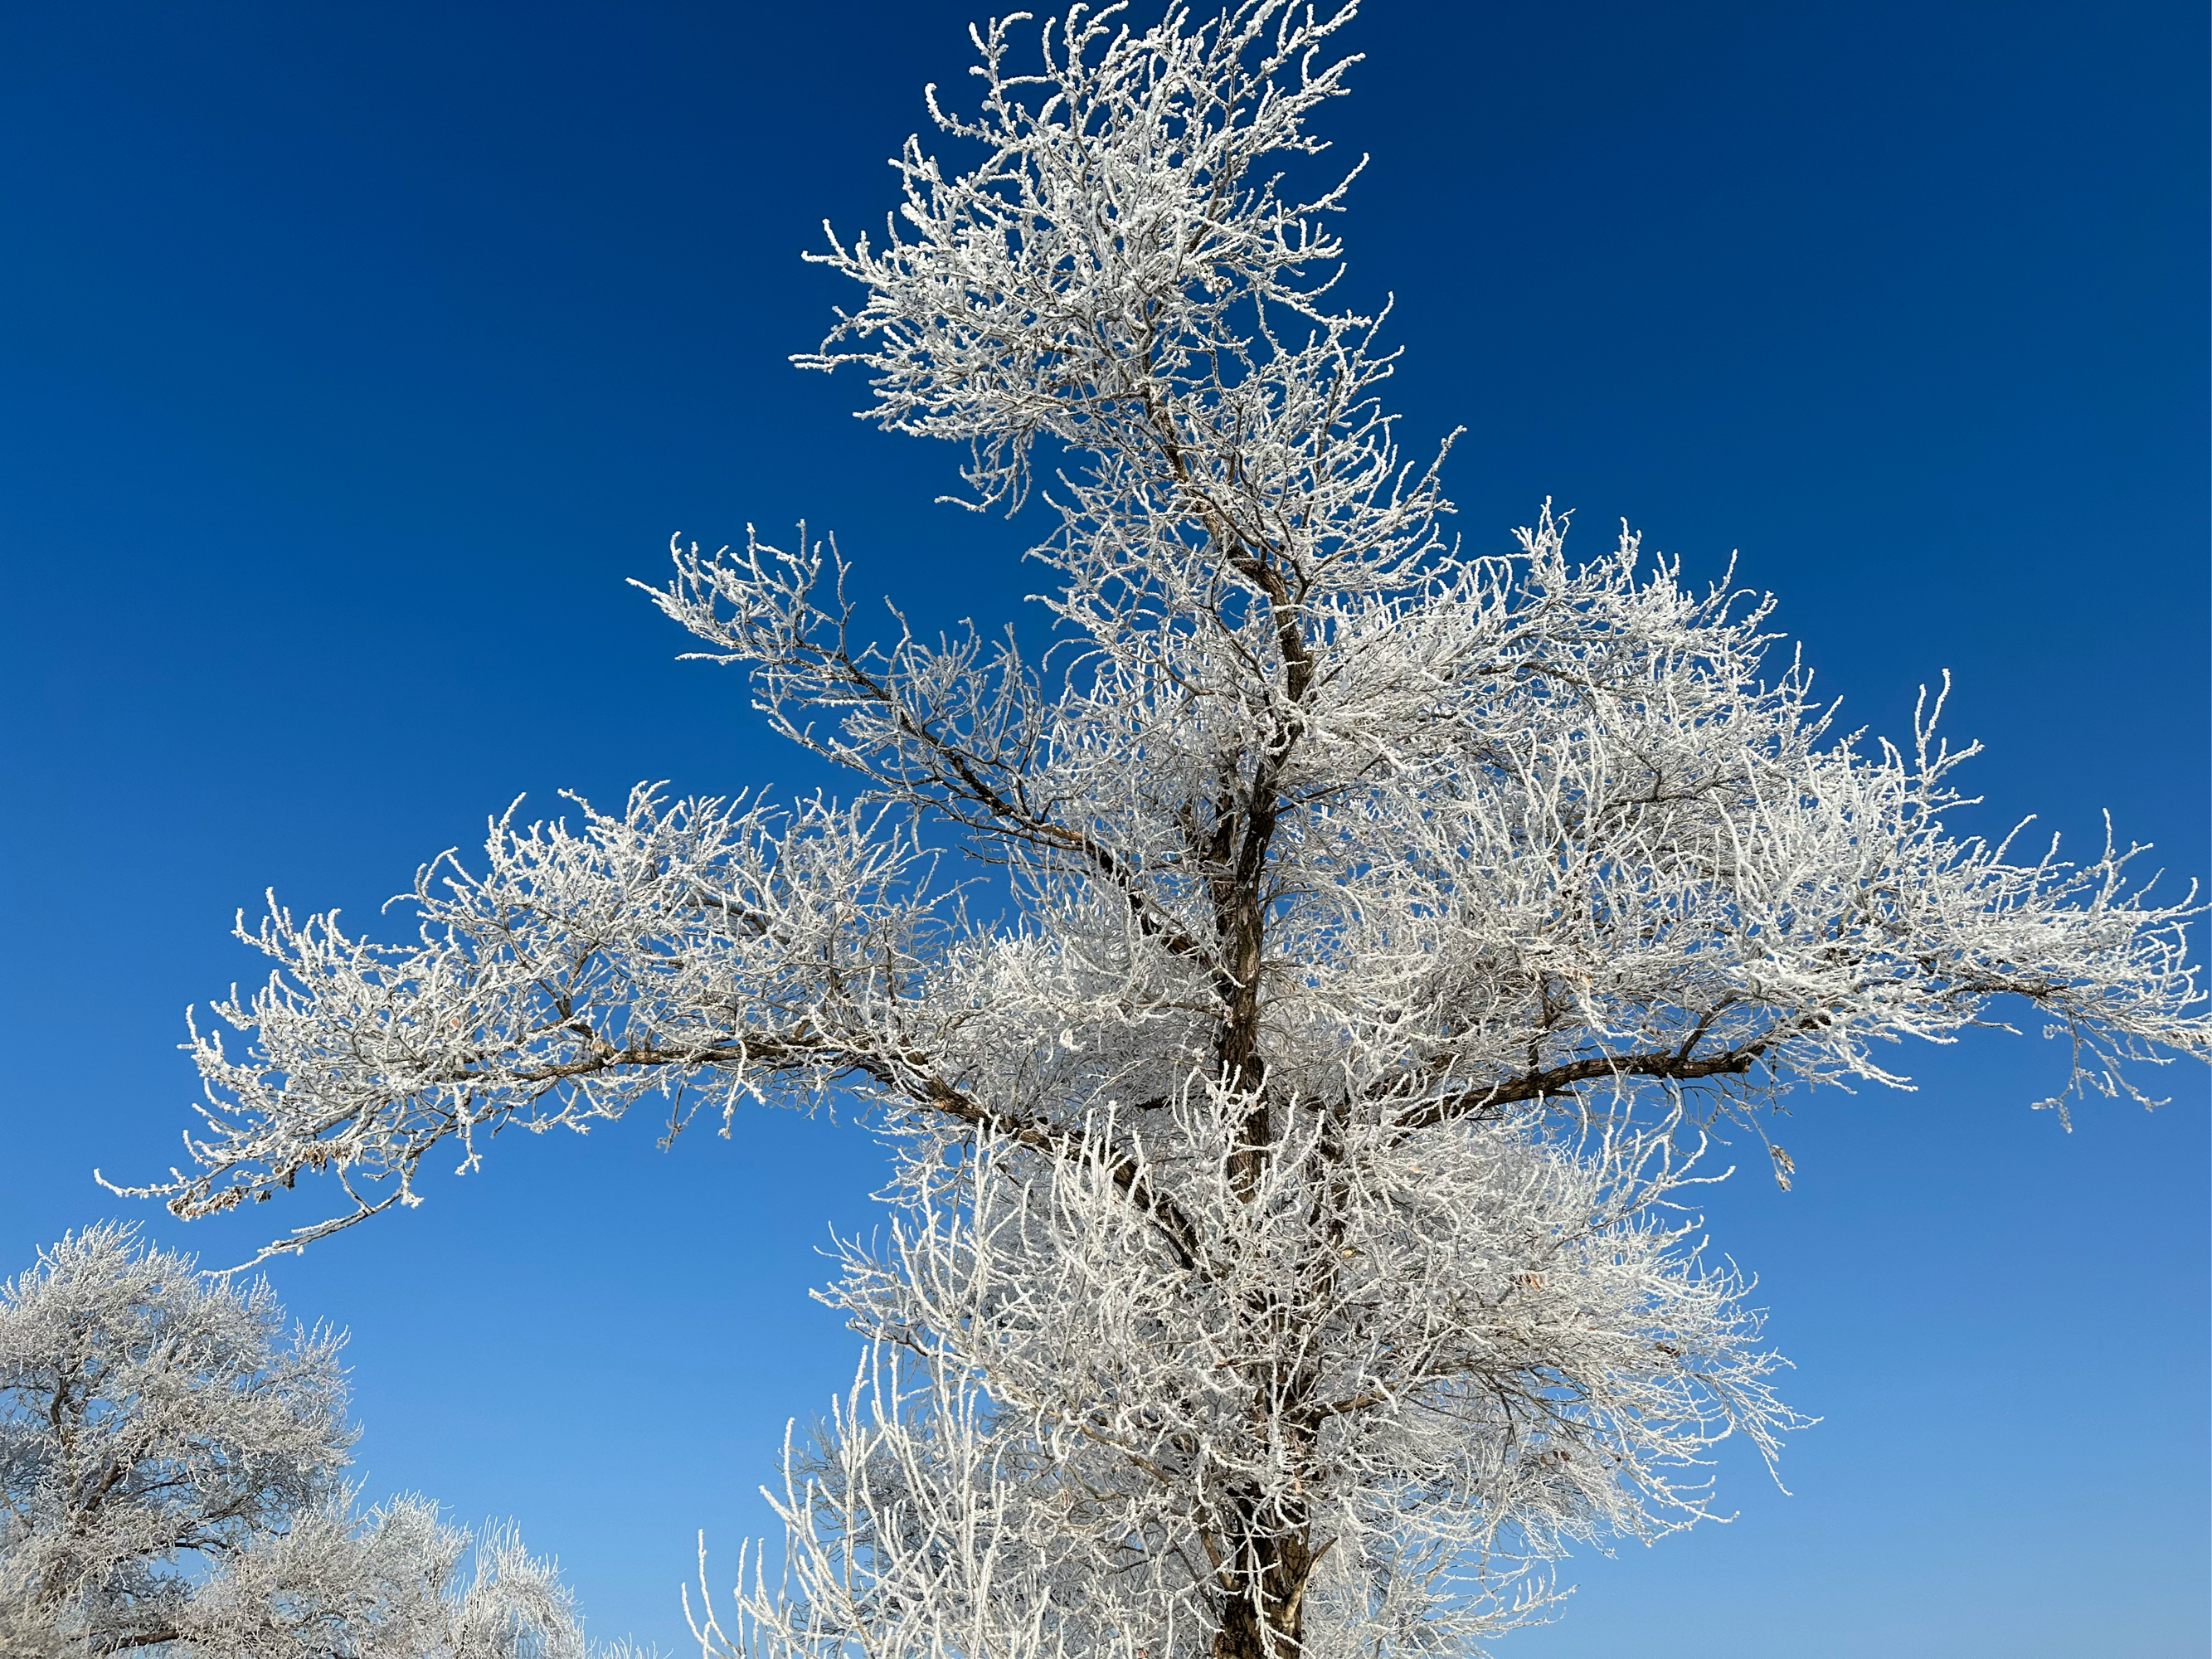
x=172 y=1484
x=1290 y=1257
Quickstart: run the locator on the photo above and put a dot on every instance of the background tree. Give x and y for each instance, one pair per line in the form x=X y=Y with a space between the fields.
x=172 y=1483
x=1283 y=1246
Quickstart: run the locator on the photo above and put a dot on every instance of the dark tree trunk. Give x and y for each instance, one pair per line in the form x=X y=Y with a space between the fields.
x=1263 y=1613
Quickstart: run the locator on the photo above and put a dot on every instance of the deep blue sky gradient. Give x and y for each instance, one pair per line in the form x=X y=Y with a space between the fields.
x=351 y=356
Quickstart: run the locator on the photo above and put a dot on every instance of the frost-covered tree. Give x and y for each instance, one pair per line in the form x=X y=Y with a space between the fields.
x=172 y=1484
x=1287 y=1253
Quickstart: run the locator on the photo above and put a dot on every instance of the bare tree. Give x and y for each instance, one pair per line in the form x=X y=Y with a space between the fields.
x=172 y=1484
x=1287 y=1253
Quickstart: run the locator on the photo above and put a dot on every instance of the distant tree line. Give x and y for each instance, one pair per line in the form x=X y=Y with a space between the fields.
x=173 y=1484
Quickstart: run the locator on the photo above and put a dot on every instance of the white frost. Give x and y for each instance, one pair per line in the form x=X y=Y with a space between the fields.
x=1286 y=1255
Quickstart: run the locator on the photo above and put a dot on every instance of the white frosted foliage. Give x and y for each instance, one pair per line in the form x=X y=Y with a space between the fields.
x=1288 y=1253
x=172 y=1468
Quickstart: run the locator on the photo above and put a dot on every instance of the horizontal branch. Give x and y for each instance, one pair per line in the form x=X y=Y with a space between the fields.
x=1673 y=1066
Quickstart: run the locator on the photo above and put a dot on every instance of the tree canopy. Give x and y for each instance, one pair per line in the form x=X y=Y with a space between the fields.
x=172 y=1484
x=1288 y=1252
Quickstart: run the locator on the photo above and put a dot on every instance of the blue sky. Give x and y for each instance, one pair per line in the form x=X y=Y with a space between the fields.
x=353 y=355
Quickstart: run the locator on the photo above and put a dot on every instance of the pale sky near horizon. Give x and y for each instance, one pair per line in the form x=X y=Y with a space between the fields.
x=354 y=356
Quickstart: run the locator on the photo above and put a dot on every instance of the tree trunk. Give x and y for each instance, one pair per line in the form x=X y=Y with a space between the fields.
x=1263 y=1615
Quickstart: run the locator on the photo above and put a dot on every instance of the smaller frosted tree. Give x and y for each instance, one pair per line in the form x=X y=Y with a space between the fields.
x=172 y=1482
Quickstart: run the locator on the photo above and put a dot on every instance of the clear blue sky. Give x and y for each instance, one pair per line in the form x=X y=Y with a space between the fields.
x=351 y=356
